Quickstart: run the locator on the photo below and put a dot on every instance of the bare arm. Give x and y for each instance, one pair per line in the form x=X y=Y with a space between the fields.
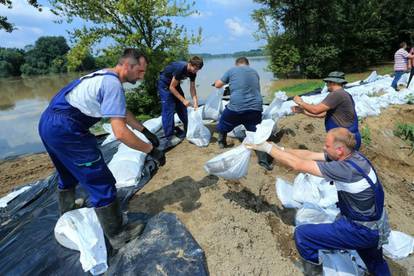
x=174 y=83
x=219 y=84
x=320 y=115
x=126 y=136
x=291 y=160
x=193 y=94
x=133 y=122
x=307 y=154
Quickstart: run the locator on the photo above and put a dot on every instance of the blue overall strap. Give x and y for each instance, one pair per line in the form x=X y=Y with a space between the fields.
x=377 y=188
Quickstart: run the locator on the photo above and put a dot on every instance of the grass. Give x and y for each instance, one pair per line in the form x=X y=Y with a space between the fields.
x=294 y=87
x=406 y=132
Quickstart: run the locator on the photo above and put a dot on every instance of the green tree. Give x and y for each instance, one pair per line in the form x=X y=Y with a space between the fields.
x=4 y=22
x=330 y=35
x=47 y=56
x=146 y=25
x=10 y=61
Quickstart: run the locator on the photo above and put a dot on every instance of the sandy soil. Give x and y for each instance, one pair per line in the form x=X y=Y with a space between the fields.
x=242 y=225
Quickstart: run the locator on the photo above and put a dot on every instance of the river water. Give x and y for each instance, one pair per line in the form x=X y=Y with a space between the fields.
x=22 y=100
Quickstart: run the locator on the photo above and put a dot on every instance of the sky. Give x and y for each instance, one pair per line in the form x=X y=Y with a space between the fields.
x=226 y=25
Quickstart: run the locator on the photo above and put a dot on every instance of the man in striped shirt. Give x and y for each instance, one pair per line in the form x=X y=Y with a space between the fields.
x=400 y=63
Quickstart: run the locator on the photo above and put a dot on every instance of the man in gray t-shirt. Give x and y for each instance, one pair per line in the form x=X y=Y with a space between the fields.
x=362 y=224
x=338 y=107
x=245 y=106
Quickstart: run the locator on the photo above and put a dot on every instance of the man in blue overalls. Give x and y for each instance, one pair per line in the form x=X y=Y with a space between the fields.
x=338 y=107
x=362 y=224
x=64 y=130
x=172 y=95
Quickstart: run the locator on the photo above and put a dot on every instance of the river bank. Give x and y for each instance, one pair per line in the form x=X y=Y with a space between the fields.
x=241 y=225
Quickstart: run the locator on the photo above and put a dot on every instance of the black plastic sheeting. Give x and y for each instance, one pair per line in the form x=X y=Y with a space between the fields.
x=28 y=245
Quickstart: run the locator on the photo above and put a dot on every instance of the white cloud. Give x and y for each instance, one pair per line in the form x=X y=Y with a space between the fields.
x=22 y=9
x=200 y=14
x=22 y=36
x=237 y=27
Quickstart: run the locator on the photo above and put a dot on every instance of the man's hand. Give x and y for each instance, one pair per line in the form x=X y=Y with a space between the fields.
x=298 y=100
x=265 y=147
x=151 y=137
x=186 y=102
x=297 y=109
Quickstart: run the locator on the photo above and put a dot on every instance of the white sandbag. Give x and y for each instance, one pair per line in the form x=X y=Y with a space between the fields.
x=232 y=164
x=340 y=263
x=399 y=246
x=372 y=77
x=177 y=120
x=238 y=132
x=10 y=196
x=284 y=192
x=273 y=110
x=127 y=164
x=403 y=80
x=263 y=131
x=80 y=230
x=312 y=214
x=327 y=192
x=212 y=107
x=153 y=124
x=197 y=132
x=305 y=190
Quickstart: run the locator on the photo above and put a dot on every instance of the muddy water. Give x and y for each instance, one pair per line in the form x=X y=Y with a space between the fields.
x=22 y=100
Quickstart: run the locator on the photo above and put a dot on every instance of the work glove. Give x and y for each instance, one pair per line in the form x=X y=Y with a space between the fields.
x=158 y=156
x=151 y=137
x=265 y=147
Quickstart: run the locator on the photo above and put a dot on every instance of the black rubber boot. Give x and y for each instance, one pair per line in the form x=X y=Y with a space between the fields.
x=110 y=217
x=264 y=160
x=222 y=140
x=66 y=200
x=311 y=269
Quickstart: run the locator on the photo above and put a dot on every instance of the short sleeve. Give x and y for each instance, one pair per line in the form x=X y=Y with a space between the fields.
x=404 y=53
x=178 y=73
x=112 y=98
x=334 y=171
x=226 y=77
x=333 y=100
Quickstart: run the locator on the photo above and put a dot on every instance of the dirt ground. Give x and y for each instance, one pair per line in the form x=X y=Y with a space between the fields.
x=242 y=225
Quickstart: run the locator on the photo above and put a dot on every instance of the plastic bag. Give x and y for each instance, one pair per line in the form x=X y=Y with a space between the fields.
x=213 y=104
x=313 y=214
x=153 y=124
x=80 y=230
x=127 y=164
x=263 y=131
x=238 y=132
x=232 y=164
x=10 y=196
x=372 y=77
x=284 y=192
x=272 y=111
x=399 y=246
x=305 y=190
x=340 y=263
x=197 y=132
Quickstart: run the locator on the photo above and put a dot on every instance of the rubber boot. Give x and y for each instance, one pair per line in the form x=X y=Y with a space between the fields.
x=110 y=217
x=222 y=140
x=311 y=269
x=66 y=200
x=264 y=160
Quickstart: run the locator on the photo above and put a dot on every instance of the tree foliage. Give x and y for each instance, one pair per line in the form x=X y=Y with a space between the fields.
x=4 y=22
x=331 y=35
x=10 y=61
x=47 y=56
x=146 y=25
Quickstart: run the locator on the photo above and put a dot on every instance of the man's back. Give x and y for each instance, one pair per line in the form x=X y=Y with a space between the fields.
x=244 y=85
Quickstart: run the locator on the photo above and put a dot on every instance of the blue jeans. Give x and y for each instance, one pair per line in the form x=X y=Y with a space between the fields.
x=397 y=77
x=341 y=235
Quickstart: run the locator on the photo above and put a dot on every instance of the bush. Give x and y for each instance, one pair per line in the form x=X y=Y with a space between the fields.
x=284 y=57
x=141 y=103
x=366 y=135
x=319 y=61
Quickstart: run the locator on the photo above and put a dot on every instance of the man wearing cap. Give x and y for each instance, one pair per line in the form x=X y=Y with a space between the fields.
x=362 y=222
x=172 y=95
x=338 y=107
